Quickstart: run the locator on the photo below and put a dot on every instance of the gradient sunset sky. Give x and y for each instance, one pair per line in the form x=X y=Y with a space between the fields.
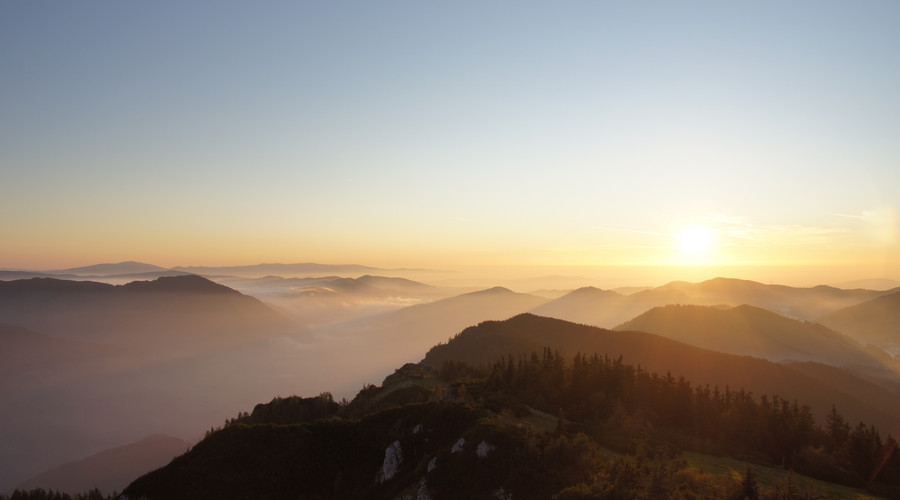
x=442 y=134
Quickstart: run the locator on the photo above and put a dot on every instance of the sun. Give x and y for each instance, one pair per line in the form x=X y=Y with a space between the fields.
x=697 y=241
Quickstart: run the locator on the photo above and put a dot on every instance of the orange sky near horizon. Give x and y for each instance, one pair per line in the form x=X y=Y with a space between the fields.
x=692 y=137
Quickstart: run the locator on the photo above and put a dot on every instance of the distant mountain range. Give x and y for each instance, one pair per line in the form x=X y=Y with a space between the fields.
x=285 y=270
x=108 y=269
x=149 y=271
x=110 y=470
x=396 y=337
x=869 y=284
x=72 y=353
x=168 y=315
x=85 y=365
x=876 y=321
x=752 y=331
x=607 y=308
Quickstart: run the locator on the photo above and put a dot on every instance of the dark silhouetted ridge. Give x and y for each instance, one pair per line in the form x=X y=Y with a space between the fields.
x=526 y=333
x=497 y=290
x=50 y=285
x=188 y=283
x=110 y=470
x=128 y=267
x=751 y=330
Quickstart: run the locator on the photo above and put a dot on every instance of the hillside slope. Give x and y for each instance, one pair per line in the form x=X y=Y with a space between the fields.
x=608 y=309
x=751 y=331
x=110 y=470
x=876 y=321
x=521 y=335
x=170 y=315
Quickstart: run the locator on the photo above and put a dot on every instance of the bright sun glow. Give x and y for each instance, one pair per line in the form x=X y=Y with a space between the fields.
x=696 y=240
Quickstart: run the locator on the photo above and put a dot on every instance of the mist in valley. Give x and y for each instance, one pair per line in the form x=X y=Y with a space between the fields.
x=93 y=365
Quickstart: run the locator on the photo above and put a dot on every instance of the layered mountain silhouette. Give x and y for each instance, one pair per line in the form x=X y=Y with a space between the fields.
x=110 y=470
x=607 y=309
x=276 y=269
x=752 y=331
x=318 y=301
x=390 y=339
x=109 y=269
x=167 y=316
x=526 y=333
x=460 y=424
x=876 y=321
x=92 y=365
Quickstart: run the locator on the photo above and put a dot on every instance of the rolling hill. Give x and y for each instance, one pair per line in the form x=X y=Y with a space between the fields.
x=437 y=430
x=876 y=321
x=382 y=342
x=526 y=333
x=168 y=316
x=110 y=470
x=607 y=309
x=752 y=331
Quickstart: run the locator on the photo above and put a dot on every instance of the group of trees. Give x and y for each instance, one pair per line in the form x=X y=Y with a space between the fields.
x=42 y=494
x=614 y=402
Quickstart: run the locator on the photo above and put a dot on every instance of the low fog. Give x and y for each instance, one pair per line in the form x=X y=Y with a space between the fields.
x=90 y=366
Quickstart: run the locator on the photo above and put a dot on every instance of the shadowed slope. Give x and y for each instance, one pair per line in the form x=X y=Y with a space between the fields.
x=876 y=321
x=749 y=330
x=170 y=315
x=527 y=333
x=110 y=470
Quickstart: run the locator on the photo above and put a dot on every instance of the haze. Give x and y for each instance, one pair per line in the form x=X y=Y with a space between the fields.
x=204 y=205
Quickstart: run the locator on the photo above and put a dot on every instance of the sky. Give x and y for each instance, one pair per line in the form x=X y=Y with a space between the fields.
x=452 y=134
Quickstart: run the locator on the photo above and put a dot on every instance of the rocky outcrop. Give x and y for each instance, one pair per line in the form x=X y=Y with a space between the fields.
x=484 y=449
x=393 y=458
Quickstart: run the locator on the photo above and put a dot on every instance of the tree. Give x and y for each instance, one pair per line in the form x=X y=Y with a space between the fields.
x=836 y=429
x=750 y=485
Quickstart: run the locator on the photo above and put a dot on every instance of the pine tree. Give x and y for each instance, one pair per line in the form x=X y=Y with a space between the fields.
x=750 y=485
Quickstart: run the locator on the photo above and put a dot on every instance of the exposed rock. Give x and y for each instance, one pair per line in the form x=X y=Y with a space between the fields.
x=484 y=449
x=501 y=494
x=393 y=457
x=458 y=446
x=423 y=493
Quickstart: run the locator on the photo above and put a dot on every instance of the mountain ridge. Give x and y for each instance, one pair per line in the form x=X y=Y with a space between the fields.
x=751 y=330
x=525 y=333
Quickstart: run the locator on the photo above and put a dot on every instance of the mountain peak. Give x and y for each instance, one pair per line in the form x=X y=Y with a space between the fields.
x=188 y=283
x=51 y=285
x=108 y=269
x=590 y=291
x=497 y=290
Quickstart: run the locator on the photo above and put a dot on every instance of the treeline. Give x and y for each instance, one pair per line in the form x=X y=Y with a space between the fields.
x=42 y=494
x=615 y=402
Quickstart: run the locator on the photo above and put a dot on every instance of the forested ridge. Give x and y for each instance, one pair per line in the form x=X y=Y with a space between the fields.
x=536 y=426
x=617 y=404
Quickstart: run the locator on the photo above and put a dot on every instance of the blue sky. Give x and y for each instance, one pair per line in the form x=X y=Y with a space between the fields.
x=438 y=133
